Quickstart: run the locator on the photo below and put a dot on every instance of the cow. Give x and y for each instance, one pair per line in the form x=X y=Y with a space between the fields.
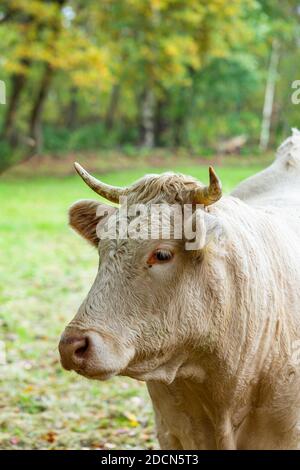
x=213 y=330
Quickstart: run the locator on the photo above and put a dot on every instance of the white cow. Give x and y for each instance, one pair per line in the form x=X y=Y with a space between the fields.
x=214 y=331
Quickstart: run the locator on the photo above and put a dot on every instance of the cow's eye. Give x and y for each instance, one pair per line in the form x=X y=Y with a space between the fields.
x=160 y=256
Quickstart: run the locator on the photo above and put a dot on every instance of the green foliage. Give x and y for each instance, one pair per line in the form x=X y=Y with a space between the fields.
x=6 y=153
x=89 y=136
x=103 y=73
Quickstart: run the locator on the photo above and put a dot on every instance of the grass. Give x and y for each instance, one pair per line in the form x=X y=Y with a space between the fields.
x=45 y=272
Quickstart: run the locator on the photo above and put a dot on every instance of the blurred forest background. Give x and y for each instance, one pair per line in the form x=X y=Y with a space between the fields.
x=124 y=87
x=206 y=76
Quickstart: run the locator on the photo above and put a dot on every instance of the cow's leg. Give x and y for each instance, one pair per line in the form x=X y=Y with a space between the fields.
x=168 y=441
x=225 y=438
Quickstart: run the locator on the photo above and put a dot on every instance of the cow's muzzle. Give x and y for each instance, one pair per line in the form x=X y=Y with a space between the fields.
x=91 y=355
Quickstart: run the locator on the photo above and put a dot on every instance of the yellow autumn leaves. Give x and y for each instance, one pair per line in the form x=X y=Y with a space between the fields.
x=155 y=41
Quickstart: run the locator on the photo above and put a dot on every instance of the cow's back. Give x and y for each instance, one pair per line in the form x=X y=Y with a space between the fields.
x=279 y=184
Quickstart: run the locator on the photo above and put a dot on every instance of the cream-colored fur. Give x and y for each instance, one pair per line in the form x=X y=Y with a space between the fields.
x=213 y=333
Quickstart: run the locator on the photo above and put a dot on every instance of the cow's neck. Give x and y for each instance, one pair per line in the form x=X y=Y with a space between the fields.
x=207 y=407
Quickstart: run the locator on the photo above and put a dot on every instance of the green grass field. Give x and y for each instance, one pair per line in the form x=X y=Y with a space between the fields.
x=45 y=272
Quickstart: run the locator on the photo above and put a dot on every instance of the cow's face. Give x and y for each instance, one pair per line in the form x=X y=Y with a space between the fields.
x=138 y=318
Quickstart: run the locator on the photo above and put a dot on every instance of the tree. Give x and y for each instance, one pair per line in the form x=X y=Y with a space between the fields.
x=43 y=43
x=156 y=44
x=150 y=72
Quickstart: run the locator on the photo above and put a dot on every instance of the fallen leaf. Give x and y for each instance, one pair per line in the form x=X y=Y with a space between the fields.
x=50 y=437
x=131 y=418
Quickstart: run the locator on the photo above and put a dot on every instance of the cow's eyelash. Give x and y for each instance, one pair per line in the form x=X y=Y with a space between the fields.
x=160 y=256
x=164 y=255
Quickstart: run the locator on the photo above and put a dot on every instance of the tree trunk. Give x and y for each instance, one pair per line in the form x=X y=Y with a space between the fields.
x=178 y=126
x=269 y=97
x=71 y=118
x=18 y=82
x=148 y=114
x=112 y=107
x=35 y=131
x=161 y=122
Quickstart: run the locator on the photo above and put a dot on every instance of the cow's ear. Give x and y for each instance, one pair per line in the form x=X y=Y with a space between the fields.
x=201 y=229
x=85 y=215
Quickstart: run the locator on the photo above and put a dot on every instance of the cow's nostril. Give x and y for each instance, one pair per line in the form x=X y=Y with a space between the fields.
x=73 y=350
x=82 y=348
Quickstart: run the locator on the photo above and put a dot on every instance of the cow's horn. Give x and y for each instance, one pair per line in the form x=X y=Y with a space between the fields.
x=111 y=193
x=209 y=194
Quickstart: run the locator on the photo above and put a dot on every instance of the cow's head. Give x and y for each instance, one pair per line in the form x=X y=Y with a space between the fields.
x=149 y=299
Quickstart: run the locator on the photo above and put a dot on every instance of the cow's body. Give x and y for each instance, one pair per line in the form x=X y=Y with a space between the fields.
x=215 y=334
x=245 y=394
